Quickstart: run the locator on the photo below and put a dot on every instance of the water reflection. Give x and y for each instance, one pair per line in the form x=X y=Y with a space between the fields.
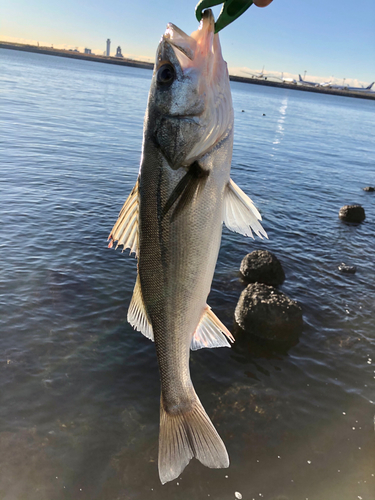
x=280 y=122
x=249 y=347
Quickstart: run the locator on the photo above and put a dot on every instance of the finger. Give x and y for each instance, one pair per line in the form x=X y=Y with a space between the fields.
x=262 y=3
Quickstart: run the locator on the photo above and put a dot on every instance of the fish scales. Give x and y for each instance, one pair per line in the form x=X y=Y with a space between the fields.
x=179 y=248
x=182 y=196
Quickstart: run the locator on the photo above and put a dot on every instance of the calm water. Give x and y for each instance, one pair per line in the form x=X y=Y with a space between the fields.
x=79 y=389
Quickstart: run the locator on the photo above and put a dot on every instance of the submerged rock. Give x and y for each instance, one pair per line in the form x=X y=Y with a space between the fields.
x=369 y=189
x=352 y=213
x=262 y=266
x=347 y=269
x=266 y=312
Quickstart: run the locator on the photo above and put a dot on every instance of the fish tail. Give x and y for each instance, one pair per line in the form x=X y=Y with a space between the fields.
x=185 y=434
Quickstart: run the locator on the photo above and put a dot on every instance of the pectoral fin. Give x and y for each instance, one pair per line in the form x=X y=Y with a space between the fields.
x=125 y=231
x=240 y=214
x=137 y=314
x=186 y=189
x=210 y=332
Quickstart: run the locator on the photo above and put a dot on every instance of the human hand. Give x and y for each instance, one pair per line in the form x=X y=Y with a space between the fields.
x=262 y=3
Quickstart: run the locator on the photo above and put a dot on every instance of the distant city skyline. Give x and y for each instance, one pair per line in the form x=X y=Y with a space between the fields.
x=324 y=40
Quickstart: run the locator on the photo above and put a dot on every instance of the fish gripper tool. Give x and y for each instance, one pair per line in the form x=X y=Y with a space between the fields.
x=230 y=11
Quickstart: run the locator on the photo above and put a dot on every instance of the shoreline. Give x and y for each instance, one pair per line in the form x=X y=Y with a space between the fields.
x=148 y=65
x=304 y=88
x=123 y=61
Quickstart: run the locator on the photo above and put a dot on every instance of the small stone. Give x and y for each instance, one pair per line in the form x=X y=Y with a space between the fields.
x=238 y=495
x=369 y=189
x=262 y=266
x=352 y=213
x=268 y=313
x=347 y=269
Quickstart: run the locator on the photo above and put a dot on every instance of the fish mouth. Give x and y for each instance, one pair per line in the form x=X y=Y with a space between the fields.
x=200 y=60
x=192 y=118
x=196 y=46
x=180 y=41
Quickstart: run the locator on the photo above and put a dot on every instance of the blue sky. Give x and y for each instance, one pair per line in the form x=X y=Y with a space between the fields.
x=332 y=38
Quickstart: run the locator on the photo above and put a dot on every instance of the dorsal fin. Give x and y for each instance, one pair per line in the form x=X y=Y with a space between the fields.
x=240 y=214
x=125 y=231
x=210 y=332
x=137 y=314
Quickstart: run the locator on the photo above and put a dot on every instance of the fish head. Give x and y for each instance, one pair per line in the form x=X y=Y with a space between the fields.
x=190 y=105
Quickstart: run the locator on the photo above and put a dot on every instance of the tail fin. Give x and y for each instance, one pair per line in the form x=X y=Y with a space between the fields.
x=370 y=86
x=300 y=78
x=187 y=434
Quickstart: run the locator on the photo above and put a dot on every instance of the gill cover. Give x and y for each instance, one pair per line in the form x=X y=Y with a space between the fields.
x=190 y=97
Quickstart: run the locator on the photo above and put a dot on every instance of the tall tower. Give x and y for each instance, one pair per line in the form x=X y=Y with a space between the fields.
x=108 y=47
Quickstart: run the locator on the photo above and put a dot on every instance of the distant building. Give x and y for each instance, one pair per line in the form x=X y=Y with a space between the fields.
x=108 y=51
x=87 y=51
x=118 y=52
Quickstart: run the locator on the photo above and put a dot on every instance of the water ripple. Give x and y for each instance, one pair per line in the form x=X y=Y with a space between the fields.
x=79 y=387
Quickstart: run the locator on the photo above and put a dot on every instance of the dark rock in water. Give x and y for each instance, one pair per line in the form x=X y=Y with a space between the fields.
x=268 y=313
x=352 y=213
x=262 y=266
x=347 y=269
x=243 y=111
x=369 y=189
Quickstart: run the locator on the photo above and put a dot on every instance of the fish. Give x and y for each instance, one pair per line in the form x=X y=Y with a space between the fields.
x=172 y=221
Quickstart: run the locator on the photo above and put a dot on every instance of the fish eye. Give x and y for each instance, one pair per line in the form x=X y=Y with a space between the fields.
x=166 y=74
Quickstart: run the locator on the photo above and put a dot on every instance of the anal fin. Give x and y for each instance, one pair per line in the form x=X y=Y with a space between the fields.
x=240 y=213
x=211 y=332
x=125 y=231
x=137 y=314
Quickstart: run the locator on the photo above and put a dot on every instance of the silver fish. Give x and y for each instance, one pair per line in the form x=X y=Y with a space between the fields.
x=172 y=220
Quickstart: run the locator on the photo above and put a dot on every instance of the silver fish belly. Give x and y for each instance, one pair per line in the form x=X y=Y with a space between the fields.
x=173 y=220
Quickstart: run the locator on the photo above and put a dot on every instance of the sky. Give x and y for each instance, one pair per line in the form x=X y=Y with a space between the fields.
x=324 y=40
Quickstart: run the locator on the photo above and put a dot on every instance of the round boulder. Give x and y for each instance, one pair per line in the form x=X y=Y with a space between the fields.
x=266 y=312
x=262 y=266
x=369 y=189
x=352 y=213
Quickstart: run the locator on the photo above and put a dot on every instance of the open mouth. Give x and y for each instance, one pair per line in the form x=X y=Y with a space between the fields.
x=199 y=42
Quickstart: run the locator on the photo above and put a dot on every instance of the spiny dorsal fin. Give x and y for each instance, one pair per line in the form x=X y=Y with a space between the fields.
x=240 y=214
x=126 y=228
x=210 y=332
x=137 y=315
